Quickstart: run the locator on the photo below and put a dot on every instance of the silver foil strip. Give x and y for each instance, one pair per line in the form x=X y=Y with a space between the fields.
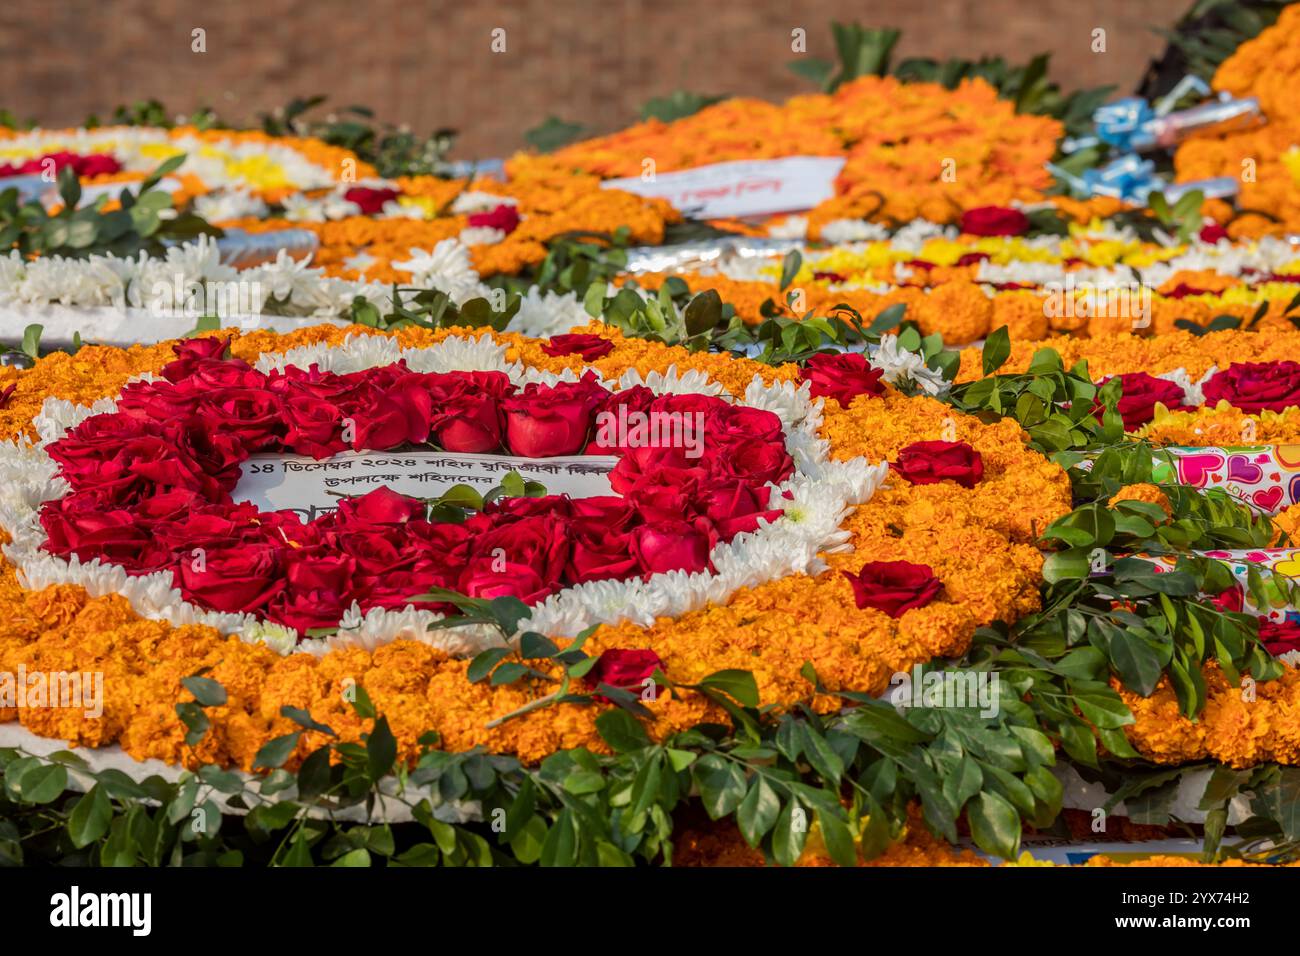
x=243 y=250
x=706 y=252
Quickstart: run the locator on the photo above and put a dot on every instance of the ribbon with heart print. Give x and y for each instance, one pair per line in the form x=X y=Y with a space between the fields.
x=1264 y=476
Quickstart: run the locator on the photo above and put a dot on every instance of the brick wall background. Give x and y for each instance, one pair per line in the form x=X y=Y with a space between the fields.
x=429 y=62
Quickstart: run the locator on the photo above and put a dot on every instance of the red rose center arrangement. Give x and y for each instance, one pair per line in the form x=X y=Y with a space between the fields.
x=151 y=486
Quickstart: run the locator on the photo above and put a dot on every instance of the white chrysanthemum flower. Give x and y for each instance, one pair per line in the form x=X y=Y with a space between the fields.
x=544 y=314
x=446 y=267
x=1192 y=394
x=481 y=236
x=226 y=204
x=360 y=261
x=472 y=201
x=839 y=231
x=898 y=365
x=480 y=353
x=918 y=232
x=792 y=227
x=300 y=208
x=671 y=382
x=277 y=637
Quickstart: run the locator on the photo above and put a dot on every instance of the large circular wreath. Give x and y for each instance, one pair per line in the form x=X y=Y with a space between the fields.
x=146 y=488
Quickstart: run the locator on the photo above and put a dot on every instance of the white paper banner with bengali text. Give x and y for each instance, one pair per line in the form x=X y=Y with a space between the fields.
x=312 y=488
x=751 y=187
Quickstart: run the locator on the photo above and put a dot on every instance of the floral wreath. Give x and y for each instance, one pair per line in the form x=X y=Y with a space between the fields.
x=135 y=495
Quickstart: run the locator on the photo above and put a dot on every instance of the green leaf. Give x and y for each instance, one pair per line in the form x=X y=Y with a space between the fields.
x=621 y=731
x=276 y=751
x=43 y=783
x=483 y=663
x=758 y=811
x=90 y=818
x=787 y=839
x=790 y=267
x=206 y=691
x=703 y=313
x=32 y=341
x=997 y=349
x=357 y=857
x=381 y=750
x=838 y=839
x=994 y=825
x=721 y=783
x=738 y=684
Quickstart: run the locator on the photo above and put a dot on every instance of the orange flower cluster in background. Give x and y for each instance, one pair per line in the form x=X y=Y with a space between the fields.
x=550 y=207
x=912 y=149
x=1266 y=160
x=979 y=541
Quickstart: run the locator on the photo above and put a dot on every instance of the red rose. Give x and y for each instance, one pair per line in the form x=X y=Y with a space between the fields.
x=1138 y=397
x=319 y=572
x=643 y=462
x=190 y=353
x=590 y=347
x=489 y=578
x=84 y=527
x=994 y=221
x=893 y=586
x=754 y=462
x=95 y=164
x=160 y=401
x=672 y=545
x=395 y=414
x=624 y=668
x=1231 y=599
x=467 y=413
x=663 y=494
x=736 y=508
x=1213 y=233
x=612 y=511
x=504 y=217
x=242 y=578
x=537 y=542
x=383 y=506
x=370 y=200
x=599 y=553
x=313 y=427
x=304 y=610
x=1280 y=638
x=842 y=377
x=741 y=423
x=548 y=420
x=1256 y=386
x=252 y=415
x=928 y=462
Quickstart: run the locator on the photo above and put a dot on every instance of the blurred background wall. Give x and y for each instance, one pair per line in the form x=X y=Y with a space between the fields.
x=430 y=64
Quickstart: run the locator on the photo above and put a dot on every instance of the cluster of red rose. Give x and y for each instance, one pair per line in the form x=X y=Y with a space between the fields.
x=96 y=164
x=151 y=486
x=1252 y=387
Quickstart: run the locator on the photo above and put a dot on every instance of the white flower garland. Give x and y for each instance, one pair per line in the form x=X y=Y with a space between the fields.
x=815 y=499
x=107 y=292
